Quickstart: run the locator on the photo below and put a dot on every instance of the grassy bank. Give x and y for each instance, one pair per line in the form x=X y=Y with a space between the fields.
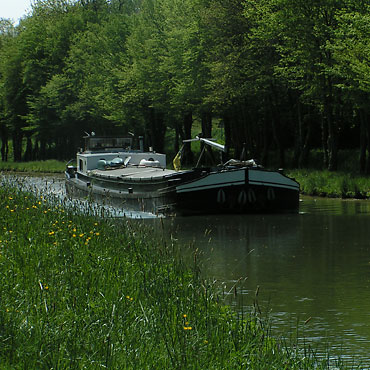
x=82 y=292
x=332 y=184
x=50 y=166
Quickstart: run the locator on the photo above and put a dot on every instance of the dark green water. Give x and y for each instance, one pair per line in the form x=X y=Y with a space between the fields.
x=315 y=264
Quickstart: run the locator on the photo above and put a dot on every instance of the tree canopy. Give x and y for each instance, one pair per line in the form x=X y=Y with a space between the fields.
x=275 y=74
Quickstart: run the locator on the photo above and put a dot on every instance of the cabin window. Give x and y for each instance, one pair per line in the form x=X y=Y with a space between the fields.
x=81 y=165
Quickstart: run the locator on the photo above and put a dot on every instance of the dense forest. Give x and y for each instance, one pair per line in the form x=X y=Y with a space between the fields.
x=276 y=75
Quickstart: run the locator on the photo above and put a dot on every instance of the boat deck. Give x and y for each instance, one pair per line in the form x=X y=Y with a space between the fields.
x=134 y=173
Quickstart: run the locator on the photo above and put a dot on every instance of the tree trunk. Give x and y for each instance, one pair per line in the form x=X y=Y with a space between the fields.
x=367 y=170
x=363 y=142
x=28 y=153
x=4 y=144
x=324 y=141
x=227 y=131
x=188 y=155
x=156 y=129
x=17 y=137
x=207 y=133
x=332 y=145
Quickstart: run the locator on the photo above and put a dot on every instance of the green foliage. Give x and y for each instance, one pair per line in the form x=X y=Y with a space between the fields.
x=331 y=184
x=279 y=75
x=83 y=292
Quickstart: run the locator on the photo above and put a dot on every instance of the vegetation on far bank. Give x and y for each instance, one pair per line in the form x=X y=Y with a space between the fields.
x=48 y=166
x=332 y=184
x=85 y=292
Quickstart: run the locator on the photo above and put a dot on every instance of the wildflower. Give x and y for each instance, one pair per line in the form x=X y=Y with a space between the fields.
x=74 y=235
x=184 y=316
x=81 y=235
x=188 y=328
x=51 y=233
x=97 y=234
x=205 y=341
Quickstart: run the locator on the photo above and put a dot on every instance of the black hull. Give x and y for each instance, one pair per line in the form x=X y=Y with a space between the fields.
x=239 y=199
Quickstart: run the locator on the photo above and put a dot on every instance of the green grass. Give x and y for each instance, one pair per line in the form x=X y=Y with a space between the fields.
x=332 y=184
x=84 y=292
x=51 y=166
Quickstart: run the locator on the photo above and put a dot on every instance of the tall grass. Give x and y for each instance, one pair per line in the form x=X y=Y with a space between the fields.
x=84 y=292
x=332 y=184
x=51 y=165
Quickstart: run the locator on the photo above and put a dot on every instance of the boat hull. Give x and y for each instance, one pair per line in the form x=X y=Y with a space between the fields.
x=200 y=191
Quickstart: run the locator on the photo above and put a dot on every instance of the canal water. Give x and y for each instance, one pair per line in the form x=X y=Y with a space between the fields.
x=311 y=270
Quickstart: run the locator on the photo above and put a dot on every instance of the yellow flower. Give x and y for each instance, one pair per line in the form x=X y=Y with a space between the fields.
x=184 y=316
x=51 y=233
x=74 y=235
x=97 y=234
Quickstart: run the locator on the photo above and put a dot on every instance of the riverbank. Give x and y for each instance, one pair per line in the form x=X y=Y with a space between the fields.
x=84 y=292
x=332 y=184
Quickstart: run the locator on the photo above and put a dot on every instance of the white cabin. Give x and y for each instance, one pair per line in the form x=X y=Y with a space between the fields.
x=105 y=152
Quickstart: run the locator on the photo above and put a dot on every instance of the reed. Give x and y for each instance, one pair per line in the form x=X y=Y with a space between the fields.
x=78 y=291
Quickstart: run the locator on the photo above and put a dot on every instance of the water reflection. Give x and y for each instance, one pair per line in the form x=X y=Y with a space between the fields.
x=315 y=264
